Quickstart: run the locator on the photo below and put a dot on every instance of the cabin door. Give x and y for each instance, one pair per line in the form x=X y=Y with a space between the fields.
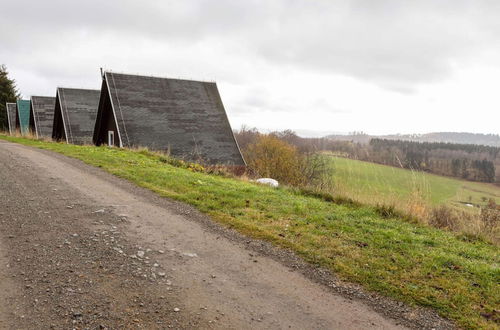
x=111 y=138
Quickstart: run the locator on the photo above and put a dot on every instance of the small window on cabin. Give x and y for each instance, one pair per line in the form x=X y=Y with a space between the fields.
x=111 y=138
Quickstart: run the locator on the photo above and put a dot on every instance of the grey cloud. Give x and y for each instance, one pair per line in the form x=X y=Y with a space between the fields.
x=384 y=41
x=395 y=44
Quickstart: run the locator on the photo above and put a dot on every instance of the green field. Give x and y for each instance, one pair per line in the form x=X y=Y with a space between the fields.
x=374 y=183
x=457 y=275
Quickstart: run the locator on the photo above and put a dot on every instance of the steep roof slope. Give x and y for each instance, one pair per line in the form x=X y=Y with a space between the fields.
x=185 y=117
x=11 y=116
x=23 y=116
x=42 y=115
x=75 y=113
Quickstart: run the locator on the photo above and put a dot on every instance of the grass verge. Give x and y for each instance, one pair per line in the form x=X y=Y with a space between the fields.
x=457 y=275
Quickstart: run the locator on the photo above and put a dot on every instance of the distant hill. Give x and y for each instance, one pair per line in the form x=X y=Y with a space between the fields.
x=450 y=137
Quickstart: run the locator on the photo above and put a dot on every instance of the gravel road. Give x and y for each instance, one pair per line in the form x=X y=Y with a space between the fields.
x=81 y=249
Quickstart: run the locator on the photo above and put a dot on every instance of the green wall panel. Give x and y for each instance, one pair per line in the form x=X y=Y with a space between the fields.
x=23 y=108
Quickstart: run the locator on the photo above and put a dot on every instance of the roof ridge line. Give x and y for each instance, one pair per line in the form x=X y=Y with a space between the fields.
x=159 y=77
x=83 y=89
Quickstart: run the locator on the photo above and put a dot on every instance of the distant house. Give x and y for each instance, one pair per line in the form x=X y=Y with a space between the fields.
x=23 y=116
x=74 y=115
x=42 y=115
x=185 y=118
x=11 y=117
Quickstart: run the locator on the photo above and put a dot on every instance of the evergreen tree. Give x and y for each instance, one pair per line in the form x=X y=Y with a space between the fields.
x=8 y=93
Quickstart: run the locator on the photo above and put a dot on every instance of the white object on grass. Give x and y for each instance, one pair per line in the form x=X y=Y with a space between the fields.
x=268 y=181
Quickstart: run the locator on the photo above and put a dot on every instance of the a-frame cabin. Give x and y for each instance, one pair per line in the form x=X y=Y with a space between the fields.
x=23 y=116
x=184 y=118
x=74 y=115
x=42 y=115
x=11 y=117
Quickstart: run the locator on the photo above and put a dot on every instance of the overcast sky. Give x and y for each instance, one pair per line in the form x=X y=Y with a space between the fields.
x=312 y=66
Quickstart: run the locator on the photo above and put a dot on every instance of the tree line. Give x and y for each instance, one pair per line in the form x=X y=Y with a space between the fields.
x=466 y=161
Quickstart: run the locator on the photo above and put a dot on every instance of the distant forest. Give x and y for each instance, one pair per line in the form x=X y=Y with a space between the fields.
x=467 y=161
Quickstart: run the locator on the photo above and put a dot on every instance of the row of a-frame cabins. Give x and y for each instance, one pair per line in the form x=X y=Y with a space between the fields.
x=183 y=117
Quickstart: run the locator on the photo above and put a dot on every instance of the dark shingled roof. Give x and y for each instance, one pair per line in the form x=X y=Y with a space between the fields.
x=42 y=115
x=184 y=117
x=11 y=116
x=74 y=115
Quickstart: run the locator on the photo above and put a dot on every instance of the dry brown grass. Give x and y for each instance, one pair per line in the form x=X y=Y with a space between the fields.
x=444 y=217
x=417 y=206
x=30 y=135
x=490 y=221
x=485 y=223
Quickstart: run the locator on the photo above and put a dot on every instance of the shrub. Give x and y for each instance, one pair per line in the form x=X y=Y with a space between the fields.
x=271 y=157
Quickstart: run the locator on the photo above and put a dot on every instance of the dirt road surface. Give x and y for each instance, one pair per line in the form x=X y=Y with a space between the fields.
x=81 y=249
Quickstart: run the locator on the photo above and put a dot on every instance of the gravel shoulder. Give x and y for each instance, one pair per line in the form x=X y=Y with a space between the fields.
x=81 y=248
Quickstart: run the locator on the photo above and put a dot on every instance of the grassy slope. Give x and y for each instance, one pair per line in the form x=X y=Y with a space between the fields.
x=420 y=265
x=371 y=182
